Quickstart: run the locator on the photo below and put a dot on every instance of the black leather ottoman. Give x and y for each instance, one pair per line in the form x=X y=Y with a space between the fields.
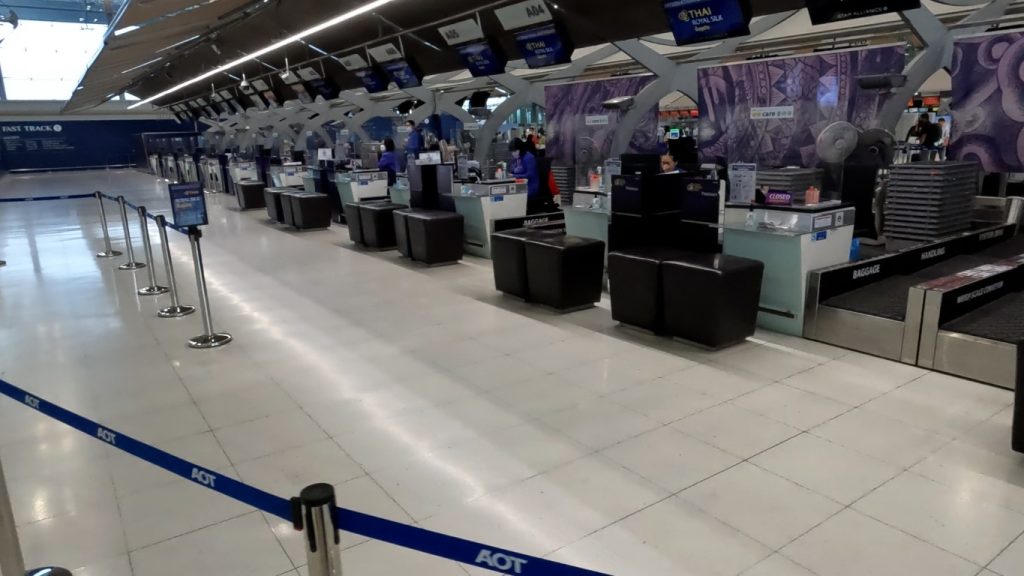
x=378 y=224
x=435 y=236
x=565 y=272
x=272 y=198
x=250 y=195
x=711 y=299
x=311 y=211
x=508 y=257
x=400 y=218
x=355 y=223
x=635 y=284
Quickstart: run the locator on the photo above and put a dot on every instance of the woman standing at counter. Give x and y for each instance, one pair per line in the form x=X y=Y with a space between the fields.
x=389 y=161
x=524 y=165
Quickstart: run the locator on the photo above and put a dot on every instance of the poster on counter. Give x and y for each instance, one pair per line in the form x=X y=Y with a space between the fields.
x=743 y=182
x=188 y=204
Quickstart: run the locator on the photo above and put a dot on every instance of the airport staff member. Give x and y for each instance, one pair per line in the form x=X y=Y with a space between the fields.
x=389 y=161
x=669 y=165
x=524 y=165
x=414 y=144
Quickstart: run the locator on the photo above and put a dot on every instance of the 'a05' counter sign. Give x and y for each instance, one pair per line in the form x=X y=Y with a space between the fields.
x=188 y=205
x=696 y=21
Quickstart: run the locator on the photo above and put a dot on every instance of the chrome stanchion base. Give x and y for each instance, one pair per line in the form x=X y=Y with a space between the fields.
x=210 y=341
x=110 y=254
x=132 y=266
x=51 y=571
x=153 y=290
x=176 y=311
x=3 y=262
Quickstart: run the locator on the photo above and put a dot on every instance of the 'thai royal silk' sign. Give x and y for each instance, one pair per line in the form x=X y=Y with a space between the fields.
x=695 y=21
x=824 y=11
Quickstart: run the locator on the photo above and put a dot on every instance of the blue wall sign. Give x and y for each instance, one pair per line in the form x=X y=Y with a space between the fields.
x=544 y=46
x=403 y=73
x=188 y=204
x=695 y=21
x=373 y=80
x=481 y=59
x=67 y=144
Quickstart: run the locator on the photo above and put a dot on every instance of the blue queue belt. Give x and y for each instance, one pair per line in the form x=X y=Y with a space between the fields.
x=403 y=535
x=47 y=198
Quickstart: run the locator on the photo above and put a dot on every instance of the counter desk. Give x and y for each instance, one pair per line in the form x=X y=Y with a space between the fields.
x=484 y=202
x=791 y=241
x=361 y=185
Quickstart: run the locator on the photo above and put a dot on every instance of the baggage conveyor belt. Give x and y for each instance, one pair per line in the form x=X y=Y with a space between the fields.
x=1002 y=320
x=888 y=298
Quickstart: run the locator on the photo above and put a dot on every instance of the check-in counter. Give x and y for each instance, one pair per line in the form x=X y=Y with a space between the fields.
x=400 y=192
x=484 y=202
x=361 y=185
x=791 y=241
x=589 y=215
x=288 y=175
x=170 y=166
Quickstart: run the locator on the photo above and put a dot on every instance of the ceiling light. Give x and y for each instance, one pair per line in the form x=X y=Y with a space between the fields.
x=245 y=81
x=125 y=30
x=368 y=7
x=143 y=65
x=287 y=70
x=176 y=44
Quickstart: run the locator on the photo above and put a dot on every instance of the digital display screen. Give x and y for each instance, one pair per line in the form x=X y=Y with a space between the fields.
x=825 y=11
x=188 y=204
x=544 y=46
x=301 y=93
x=696 y=21
x=481 y=59
x=403 y=73
x=372 y=80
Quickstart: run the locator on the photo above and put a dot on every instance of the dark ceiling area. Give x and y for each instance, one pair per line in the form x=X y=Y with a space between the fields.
x=588 y=22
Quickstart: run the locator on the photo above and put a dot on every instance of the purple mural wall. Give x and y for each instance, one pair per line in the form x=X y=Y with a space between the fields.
x=771 y=111
x=988 y=101
x=568 y=106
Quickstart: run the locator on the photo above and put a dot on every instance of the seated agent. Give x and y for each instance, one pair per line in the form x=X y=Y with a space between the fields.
x=669 y=165
x=389 y=161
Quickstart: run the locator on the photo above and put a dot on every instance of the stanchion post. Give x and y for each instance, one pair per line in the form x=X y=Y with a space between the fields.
x=11 y=560
x=175 y=310
x=209 y=338
x=131 y=264
x=153 y=289
x=316 y=505
x=108 y=252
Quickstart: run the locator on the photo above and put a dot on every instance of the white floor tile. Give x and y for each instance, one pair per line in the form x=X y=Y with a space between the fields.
x=1011 y=561
x=778 y=565
x=86 y=538
x=854 y=379
x=791 y=406
x=243 y=546
x=971 y=529
x=119 y=566
x=380 y=559
x=165 y=511
x=735 y=430
x=287 y=472
x=245 y=404
x=942 y=404
x=773 y=362
x=668 y=539
x=267 y=435
x=851 y=544
x=608 y=375
x=599 y=423
x=978 y=474
x=764 y=506
x=670 y=458
x=541 y=396
x=828 y=469
x=887 y=439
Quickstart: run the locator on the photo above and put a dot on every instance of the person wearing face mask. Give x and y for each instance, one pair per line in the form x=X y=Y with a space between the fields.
x=524 y=165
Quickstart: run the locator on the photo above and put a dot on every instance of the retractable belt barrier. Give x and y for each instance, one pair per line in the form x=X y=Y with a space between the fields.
x=151 y=216
x=433 y=543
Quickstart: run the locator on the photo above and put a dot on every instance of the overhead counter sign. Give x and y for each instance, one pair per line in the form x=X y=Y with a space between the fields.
x=545 y=46
x=480 y=56
x=825 y=11
x=696 y=21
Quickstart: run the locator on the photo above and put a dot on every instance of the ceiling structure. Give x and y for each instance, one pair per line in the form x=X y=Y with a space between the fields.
x=83 y=11
x=177 y=40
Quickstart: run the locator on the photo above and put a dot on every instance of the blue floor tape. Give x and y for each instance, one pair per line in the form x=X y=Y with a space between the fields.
x=405 y=536
x=47 y=198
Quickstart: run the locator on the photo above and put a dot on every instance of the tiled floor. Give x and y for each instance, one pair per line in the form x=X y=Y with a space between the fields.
x=427 y=398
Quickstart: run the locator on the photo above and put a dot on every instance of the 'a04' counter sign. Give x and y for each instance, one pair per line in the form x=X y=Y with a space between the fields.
x=188 y=205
